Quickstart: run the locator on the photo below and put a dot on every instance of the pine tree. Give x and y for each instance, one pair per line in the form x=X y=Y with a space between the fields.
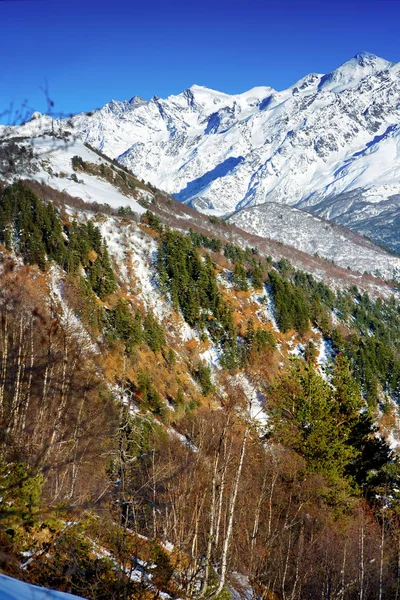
x=240 y=277
x=107 y=283
x=153 y=333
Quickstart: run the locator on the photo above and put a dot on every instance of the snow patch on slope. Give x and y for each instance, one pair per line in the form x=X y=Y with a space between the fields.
x=255 y=401
x=266 y=312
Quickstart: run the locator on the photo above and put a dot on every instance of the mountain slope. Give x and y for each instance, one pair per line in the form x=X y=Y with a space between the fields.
x=366 y=212
x=191 y=357
x=314 y=235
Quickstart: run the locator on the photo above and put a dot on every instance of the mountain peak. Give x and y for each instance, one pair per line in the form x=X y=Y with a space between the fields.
x=137 y=101
x=367 y=59
x=36 y=115
x=202 y=88
x=366 y=56
x=352 y=71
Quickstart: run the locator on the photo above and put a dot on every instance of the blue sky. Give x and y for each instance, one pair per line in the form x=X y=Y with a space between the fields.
x=88 y=52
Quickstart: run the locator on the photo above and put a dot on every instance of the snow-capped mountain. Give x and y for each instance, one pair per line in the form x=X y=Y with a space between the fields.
x=325 y=136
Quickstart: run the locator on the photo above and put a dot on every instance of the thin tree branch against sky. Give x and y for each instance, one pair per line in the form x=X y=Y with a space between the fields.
x=91 y=51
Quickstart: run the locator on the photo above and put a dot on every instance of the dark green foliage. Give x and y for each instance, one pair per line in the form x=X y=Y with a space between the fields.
x=163 y=572
x=132 y=330
x=202 y=373
x=216 y=220
x=20 y=495
x=291 y=306
x=325 y=424
x=153 y=333
x=87 y=249
x=312 y=287
x=150 y=397
x=257 y=276
x=310 y=353
x=126 y=326
x=78 y=164
x=193 y=288
x=198 y=239
x=257 y=340
x=30 y=226
x=72 y=567
x=153 y=221
x=180 y=398
x=171 y=357
x=284 y=267
x=374 y=348
x=234 y=253
x=240 y=277
x=125 y=211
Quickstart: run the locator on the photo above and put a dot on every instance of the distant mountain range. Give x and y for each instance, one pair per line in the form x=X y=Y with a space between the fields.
x=329 y=144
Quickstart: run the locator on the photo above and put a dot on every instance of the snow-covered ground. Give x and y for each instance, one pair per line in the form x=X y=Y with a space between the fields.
x=239 y=587
x=212 y=356
x=13 y=589
x=266 y=312
x=53 y=166
x=70 y=321
x=325 y=354
x=295 y=349
x=255 y=401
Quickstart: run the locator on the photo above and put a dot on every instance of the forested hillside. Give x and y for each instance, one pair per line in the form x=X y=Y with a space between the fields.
x=184 y=415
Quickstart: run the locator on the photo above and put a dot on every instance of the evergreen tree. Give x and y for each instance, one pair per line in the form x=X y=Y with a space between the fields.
x=203 y=375
x=240 y=277
x=153 y=333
